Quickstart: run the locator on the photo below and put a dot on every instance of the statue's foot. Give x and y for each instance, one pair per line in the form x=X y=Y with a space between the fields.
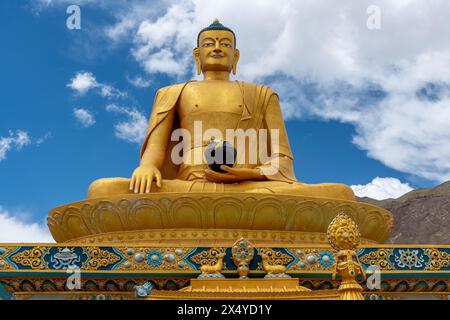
x=109 y=186
x=106 y=187
x=323 y=190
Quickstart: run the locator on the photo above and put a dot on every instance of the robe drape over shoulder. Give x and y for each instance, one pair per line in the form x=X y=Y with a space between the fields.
x=261 y=110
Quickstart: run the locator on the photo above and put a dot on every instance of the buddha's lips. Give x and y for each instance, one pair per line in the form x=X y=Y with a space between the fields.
x=217 y=56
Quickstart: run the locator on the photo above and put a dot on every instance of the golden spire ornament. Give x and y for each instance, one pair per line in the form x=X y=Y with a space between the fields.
x=343 y=235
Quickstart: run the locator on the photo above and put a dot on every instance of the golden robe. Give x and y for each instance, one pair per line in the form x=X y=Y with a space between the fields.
x=261 y=110
x=256 y=100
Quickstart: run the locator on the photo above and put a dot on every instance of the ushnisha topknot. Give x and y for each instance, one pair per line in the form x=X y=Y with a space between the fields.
x=216 y=25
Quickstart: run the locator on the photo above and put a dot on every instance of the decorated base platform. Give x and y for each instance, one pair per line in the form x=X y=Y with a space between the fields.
x=221 y=246
x=40 y=271
x=191 y=217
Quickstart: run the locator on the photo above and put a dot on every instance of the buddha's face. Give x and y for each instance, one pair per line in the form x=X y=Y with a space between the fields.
x=216 y=51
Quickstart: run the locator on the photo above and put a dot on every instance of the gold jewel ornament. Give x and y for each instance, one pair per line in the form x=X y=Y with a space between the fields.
x=242 y=253
x=343 y=235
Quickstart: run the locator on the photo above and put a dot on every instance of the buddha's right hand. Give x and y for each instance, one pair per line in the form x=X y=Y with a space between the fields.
x=143 y=177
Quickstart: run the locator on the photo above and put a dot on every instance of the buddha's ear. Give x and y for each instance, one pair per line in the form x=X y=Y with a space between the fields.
x=237 y=54
x=196 y=53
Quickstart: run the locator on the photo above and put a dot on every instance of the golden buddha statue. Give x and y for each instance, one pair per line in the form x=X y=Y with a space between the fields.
x=218 y=104
x=177 y=195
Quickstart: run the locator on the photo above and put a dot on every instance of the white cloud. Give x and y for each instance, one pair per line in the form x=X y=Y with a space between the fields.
x=127 y=15
x=139 y=82
x=37 y=6
x=382 y=188
x=85 y=117
x=111 y=92
x=134 y=128
x=130 y=16
x=16 y=141
x=43 y=138
x=84 y=81
x=164 y=45
x=13 y=229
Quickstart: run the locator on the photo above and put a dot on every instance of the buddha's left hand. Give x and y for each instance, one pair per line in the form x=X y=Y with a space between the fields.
x=234 y=175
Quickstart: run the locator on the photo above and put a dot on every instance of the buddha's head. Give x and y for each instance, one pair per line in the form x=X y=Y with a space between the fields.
x=216 y=49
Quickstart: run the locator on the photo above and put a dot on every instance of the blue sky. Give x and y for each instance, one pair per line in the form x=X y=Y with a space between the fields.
x=342 y=116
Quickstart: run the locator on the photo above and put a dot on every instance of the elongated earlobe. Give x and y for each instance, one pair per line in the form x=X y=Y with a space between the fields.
x=234 y=68
x=235 y=60
x=198 y=64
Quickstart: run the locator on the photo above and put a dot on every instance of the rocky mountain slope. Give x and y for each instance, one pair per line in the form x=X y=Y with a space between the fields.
x=421 y=216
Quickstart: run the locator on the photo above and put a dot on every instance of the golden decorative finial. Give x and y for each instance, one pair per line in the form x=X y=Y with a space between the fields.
x=216 y=21
x=343 y=235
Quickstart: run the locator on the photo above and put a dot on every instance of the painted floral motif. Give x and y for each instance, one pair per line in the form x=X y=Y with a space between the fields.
x=29 y=258
x=207 y=257
x=154 y=258
x=99 y=258
x=326 y=259
x=65 y=259
x=409 y=259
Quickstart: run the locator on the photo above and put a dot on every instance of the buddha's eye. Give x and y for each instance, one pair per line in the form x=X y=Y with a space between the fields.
x=226 y=45
x=207 y=44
